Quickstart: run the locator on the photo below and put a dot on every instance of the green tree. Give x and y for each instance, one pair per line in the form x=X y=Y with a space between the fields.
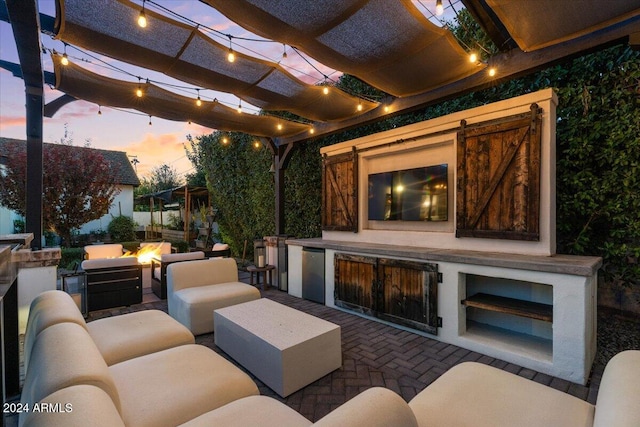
x=78 y=184
x=240 y=184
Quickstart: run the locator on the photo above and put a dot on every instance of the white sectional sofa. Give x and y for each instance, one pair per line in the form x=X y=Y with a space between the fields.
x=149 y=386
x=468 y=395
x=196 y=288
x=192 y=386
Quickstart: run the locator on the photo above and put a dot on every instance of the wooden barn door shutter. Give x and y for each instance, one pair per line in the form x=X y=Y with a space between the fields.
x=340 y=192
x=355 y=282
x=498 y=168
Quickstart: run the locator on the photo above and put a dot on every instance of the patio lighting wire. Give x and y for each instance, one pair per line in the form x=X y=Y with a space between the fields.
x=227 y=36
x=185 y=89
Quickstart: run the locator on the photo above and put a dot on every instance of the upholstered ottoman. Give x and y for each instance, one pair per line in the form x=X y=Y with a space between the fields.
x=286 y=348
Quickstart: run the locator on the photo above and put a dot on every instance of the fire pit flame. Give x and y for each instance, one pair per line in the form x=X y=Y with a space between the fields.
x=146 y=253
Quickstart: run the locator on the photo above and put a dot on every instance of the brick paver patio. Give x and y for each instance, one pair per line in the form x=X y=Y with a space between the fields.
x=375 y=354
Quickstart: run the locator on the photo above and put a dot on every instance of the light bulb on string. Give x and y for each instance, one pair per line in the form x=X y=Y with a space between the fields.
x=65 y=58
x=150 y=120
x=240 y=107
x=284 y=51
x=359 y=108
x=225 y=140
x=279 y=126
x=198 y=101
x=492 y=71
x=386 y=108
x=473 y=57
x=325 y=90
x=142 y=18
x=439 y=8
x=256 y=144
x=312 y=131
x=99 y=111
x=231 y=56
x=139 y=90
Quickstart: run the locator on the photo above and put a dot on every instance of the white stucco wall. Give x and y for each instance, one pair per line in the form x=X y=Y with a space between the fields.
x=423 y=148
x=123 y=203
x=6 y=220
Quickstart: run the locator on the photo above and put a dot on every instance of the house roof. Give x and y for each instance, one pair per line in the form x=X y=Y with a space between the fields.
x=117 y=159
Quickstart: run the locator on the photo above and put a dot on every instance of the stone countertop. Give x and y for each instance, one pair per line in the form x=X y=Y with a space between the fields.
x=24 y=239
x=560 y=264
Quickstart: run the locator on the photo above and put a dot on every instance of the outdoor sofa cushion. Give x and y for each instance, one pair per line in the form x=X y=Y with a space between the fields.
x=487 y=396
x=111 y=250
x=118 y=338
x=196 y=288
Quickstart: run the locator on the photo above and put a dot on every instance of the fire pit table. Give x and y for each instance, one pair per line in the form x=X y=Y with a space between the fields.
x=113 y=282
x=285 y=348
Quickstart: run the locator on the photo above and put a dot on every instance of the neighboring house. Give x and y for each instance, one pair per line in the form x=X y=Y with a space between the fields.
x=122 y=203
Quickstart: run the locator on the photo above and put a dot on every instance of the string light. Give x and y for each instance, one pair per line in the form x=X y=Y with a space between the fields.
x=279 y=126
x=240 y=107
x=225 y=140
x=439 y=8
x=492 y=71
x=198 y=101
x=65 y=58
x=312 y=131
x=150 y=120
x=359 y=108
x=139 y=90
x=142 y=18
x=99 y=111
x=256 y=144
x=284 y=51
x=473 y=57
x=386 y=109
x=325 y=90
x=231 y=57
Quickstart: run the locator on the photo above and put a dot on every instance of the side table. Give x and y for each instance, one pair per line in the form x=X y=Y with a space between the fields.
x=267 y=280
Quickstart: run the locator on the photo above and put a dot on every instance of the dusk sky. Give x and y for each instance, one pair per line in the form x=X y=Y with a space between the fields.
x=160 y=143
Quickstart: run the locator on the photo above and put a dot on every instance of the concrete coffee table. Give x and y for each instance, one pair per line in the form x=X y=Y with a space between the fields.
x=285 y=348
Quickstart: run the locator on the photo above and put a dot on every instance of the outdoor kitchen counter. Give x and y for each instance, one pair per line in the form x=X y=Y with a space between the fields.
x=534 y=311
x=560 y=264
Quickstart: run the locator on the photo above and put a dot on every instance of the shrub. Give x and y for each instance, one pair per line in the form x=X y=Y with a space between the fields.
x=70 y=256
x=180 y=245
x=122 y=229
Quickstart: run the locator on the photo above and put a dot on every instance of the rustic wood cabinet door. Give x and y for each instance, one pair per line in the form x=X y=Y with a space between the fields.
x=407 y=293
x=340 y=192
x=498 y=169
x=399 y=291
x=355 y=283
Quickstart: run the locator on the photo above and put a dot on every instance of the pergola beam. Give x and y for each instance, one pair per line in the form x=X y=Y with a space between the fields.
x=510 y=65
x=23 y=15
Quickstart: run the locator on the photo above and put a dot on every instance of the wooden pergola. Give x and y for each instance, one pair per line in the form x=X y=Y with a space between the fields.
x=184 y=192
x=512 y=60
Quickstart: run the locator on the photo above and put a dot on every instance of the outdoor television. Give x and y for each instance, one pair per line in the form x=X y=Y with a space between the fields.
x=418 y=194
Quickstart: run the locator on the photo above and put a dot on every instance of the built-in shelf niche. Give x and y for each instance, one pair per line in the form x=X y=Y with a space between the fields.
x=514 y=315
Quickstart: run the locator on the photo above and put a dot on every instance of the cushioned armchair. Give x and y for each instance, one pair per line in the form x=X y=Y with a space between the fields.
x=196 y=288
x=159 y=269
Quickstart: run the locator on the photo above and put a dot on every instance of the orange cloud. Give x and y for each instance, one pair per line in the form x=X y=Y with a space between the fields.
x=12 y=121
x=158 y=149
